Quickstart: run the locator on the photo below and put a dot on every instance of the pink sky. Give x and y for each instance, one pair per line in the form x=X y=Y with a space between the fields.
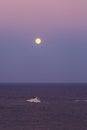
x=62 y=26
x=43 y=14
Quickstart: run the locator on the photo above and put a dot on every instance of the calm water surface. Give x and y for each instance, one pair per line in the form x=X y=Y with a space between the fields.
x=62 y=107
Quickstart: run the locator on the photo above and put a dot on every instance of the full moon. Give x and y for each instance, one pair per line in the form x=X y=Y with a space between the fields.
x=38 y=41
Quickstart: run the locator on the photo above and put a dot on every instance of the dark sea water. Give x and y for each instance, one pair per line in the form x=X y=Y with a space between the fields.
x=62 y=107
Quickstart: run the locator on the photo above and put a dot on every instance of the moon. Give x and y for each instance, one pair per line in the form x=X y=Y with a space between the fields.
x=38 y=41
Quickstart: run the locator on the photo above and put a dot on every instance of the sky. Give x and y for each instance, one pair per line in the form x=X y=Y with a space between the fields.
x=62 y=27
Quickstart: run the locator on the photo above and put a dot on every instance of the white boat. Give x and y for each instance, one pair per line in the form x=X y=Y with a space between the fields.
x=34 y=100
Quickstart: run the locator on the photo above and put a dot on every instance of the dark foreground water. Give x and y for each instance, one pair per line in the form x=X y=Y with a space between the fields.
x=62 y=107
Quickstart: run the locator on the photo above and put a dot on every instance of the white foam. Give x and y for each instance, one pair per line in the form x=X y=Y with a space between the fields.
x=80 y=100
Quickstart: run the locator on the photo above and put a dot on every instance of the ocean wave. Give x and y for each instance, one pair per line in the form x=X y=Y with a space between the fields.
x=80 y=100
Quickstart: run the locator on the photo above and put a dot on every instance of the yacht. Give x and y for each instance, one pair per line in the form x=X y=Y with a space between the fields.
x=34 y=100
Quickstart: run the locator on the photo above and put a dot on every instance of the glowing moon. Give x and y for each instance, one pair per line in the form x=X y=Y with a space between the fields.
x=38 y=41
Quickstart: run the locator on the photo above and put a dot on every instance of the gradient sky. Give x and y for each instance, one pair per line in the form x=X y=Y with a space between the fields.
x=62 y=26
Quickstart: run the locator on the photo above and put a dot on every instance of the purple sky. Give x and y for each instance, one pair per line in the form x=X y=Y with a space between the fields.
x=62 y=26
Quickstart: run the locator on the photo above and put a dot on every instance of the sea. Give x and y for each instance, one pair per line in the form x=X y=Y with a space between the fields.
x=63 y=106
